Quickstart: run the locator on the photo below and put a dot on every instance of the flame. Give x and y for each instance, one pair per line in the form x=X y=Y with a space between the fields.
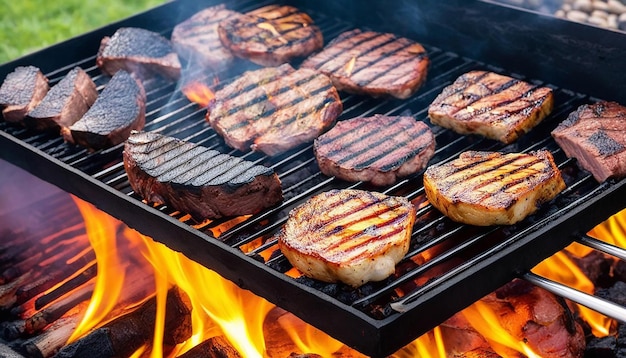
x=109 y=281
x=198 y=92
x=485 y=320
x=269 y=27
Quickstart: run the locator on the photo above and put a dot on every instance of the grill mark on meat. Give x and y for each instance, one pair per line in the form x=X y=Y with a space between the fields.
x=480 y=179
x=266 y=95
x=285 y=107
x=371 y=151
x=358 y=49
x=264 y=80
x=490 y=104
x=382 y=57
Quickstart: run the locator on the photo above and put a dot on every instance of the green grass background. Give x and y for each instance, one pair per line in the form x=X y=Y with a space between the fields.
x=29 y=25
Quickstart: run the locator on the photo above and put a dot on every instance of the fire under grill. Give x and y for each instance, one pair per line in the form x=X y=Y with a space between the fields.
x=449 y=265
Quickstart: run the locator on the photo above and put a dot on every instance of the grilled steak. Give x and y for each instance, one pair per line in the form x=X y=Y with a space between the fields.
x=488 y=188
x=595 y=134
x=196 y=180
x=120 y=108
x=371 y=63
x=274 y=109
x=492 y=105
x=196 y=39
x=65 y=102
x=348 y=235
x=138 y=51
x=21 y=91
x=271 y=35
x=378 y=149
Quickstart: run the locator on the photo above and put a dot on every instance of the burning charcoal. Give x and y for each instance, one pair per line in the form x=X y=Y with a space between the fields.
x=124 y=335
x=603 y=347
x=7 y=352
x=597 y=267
x=621 y=341
x=214 y=347
x=615 y=293
x=619 y=270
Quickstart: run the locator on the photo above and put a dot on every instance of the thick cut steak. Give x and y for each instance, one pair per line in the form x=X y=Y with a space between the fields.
x=492 y=105
x=348 y=235
x=196 y=180
x=372 y=63
x=274 y=109
x=491 y=188
x=138 y=51
x=595 y=134
x=271 y=35
x=65 y=103
x=21 y=91
x=196 y=39
x=120 y=108
x=378 y=149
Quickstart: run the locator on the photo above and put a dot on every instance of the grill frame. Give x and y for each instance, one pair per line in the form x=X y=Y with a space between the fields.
x=375 y=337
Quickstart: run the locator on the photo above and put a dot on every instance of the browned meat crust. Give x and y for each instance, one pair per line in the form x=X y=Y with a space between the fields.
x=119 y=109
x=271 y=35
x=488 y=188
x=352 y=236
x=196 y=39
x=371 y=63
x=65 y=103
x=378 y=149
x=21 y=91
x=196 y=180
x=274 y=109
x=492 y=105
x=138 y=51
x=595 y=134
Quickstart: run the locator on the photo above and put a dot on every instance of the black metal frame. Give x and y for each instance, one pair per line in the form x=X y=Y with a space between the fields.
x=531 y=52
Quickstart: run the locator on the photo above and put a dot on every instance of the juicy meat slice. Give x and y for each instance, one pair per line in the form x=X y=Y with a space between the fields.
x=274 y=109
x=21 y=91
x=196 y=39
x=595 y=134
x=378 y=149
x=65 y=103
x=271 y=35
x=372 y=63
x=141 y=52
x=351 y=236
x=490 y=188
x=196 y=180
x=492 y=105
x=119 y=109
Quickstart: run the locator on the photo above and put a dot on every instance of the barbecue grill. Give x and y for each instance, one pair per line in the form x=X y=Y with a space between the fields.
x=449 y=265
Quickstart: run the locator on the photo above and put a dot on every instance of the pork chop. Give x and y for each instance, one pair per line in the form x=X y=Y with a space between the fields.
x=491 y=188
x=350 y=236
x=377 y=149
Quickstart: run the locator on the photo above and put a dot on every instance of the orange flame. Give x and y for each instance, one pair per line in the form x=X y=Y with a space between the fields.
x=198 y=92
x=101 y=233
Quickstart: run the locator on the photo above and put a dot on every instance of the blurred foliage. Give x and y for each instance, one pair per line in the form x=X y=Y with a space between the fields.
x=29 y=25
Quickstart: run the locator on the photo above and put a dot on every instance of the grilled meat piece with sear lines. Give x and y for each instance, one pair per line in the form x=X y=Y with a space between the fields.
x=274 y=109
x=595 y=134
x=372 y=63
x=196 y=180
x=378 y=149
x=490 y=188
x=271 y=35
x=492 y=105
x=351 y=236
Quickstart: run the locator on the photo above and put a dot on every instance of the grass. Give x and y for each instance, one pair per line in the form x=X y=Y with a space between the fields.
x=29 y=25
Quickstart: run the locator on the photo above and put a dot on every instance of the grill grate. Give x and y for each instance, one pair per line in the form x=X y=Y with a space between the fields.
x=446 y=262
